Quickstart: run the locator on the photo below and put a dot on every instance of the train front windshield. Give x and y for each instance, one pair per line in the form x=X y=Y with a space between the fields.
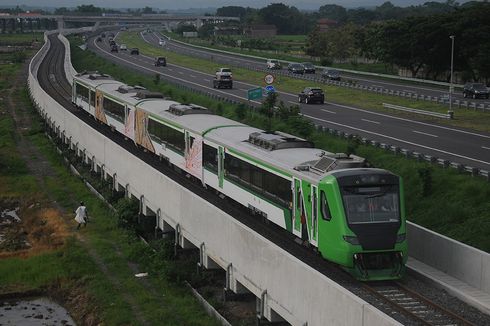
x=371 y=204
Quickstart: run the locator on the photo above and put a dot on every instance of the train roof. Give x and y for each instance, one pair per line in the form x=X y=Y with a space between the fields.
x=301 y=159
x=287 y=153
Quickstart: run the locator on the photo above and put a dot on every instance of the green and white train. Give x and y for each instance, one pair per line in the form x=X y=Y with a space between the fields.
x=353 y=215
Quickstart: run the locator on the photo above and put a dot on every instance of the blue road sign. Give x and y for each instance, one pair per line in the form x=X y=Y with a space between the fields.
x=270 y=89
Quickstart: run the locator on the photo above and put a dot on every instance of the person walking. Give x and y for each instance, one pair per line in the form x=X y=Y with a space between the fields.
x=81 y=215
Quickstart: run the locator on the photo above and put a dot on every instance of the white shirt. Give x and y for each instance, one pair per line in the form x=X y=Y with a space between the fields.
x=81 y=214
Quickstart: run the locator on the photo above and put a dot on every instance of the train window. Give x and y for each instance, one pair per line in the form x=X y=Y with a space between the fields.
x=114 y=110
x=324 y=207
x=82 y=92
x=210 y=158
x=270 y=185
x=92 y=98
x=164 y=134
x=371 y=204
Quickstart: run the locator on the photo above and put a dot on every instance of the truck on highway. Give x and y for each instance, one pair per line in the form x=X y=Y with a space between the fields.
x=223 y=78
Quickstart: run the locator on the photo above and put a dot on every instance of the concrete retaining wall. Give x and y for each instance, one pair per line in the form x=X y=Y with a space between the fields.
x=292 y=289
x=454 y=258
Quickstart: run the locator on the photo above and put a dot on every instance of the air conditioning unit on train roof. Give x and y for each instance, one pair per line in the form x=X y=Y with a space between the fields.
x=277 y=140
x=185 y=109
x=124 y=89
x=145 y=94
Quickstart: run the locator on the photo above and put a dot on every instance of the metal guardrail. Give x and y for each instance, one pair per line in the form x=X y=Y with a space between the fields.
x=443 y=100
x=448 y=115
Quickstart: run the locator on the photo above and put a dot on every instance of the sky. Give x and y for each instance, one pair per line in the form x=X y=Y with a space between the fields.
x=185 y=4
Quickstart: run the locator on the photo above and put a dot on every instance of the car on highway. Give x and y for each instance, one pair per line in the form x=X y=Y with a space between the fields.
x=102 y=35
x=331 y=74
x=273 y=64
x=309 y=67
x=135 y=51
x=114 y=48
x=112 y=42
x=311 y=94
x=123 y=47
x=99 y=39
x=160 y=61
x=161 y=42
x=475 y=90
x=296 y=68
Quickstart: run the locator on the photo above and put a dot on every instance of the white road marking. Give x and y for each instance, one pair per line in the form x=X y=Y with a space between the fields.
x=424 y=133
x=180 y=73
x=371 y=121
x=485 y=147
x=329 y=111
x=170 y=69
x=192 y=76
x=408 y=120
x=396 y=139
x=208 y=80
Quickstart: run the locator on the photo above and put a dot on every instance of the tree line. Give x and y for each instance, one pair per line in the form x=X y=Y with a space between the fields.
x=419 y=44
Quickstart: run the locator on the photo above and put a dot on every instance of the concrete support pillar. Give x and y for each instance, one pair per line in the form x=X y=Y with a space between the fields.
x=127 y=194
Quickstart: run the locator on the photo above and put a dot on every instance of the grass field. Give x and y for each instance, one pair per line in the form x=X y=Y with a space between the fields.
x=441 y=199
x=92 y=273
x=16 y=39
x=463 y=118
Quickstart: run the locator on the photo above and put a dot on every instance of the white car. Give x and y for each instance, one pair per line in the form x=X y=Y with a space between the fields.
x=123 y=47
x=273 y=64
x=161 y=42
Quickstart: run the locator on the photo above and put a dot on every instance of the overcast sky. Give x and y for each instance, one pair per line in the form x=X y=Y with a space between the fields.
x=185 y=4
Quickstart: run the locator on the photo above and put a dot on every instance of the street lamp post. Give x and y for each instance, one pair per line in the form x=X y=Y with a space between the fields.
x=451 y=80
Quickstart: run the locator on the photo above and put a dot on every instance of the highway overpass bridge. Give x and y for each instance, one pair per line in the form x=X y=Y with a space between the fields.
x=48 y=22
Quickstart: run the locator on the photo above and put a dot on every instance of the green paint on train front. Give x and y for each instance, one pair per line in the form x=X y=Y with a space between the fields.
x=333 y=247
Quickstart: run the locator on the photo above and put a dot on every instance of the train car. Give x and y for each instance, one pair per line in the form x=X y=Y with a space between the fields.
x=353 y=215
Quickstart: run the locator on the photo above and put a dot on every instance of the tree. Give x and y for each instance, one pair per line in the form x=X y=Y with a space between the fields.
x=334 y=12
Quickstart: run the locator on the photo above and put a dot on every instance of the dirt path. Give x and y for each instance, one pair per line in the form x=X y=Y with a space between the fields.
x=40 y=168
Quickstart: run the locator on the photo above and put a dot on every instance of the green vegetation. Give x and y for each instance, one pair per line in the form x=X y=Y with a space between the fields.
x=93 y=271
x=20 y=39
x=441 y=199
x=463 y=118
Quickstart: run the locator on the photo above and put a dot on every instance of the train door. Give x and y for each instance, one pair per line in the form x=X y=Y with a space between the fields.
x=298 y=207
x=314 y=216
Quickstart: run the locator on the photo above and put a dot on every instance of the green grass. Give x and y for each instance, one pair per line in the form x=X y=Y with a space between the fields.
x=366 y=100
x=450 y=203
x=71 y=266
x=20 y=39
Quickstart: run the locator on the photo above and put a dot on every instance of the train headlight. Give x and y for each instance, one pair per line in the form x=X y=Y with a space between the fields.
x=350 y=239
x=401 y=237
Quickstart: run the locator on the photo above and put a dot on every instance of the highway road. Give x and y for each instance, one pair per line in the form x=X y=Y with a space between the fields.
x=454 y=144
x=238 y=61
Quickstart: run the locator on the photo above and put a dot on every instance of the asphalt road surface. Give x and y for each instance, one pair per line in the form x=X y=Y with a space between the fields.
x=450 y=143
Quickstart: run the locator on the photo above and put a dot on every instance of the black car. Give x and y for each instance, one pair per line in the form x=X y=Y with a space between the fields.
x=102 y=35
x=309 y=67
x=310 y=95
x=331 y=74
x=99 y=39
x=475 y=90
x=134 y=51
x=114 y=48
x=160 y=61
x=112 y=42
x=296 y=68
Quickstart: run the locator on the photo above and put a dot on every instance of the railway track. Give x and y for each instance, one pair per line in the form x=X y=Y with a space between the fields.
x=397 y=298
x=52 y=78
